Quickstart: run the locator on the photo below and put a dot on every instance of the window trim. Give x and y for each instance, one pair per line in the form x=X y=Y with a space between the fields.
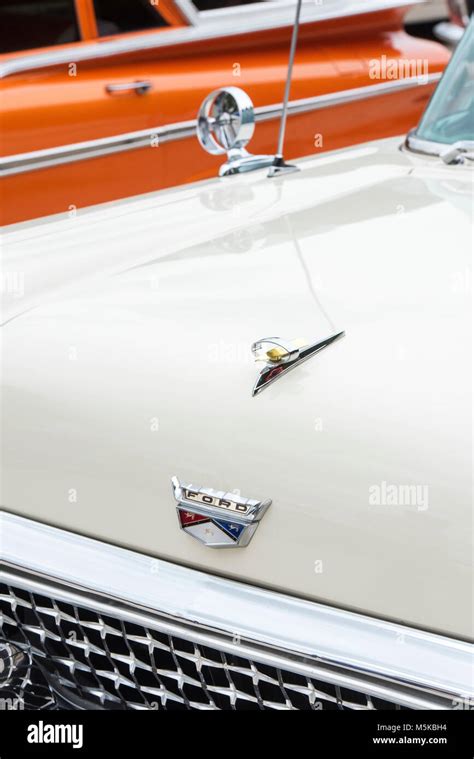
x=247 y=8
x=167 y=9
x=86 y=19
x=173 y=14
x=334 y=8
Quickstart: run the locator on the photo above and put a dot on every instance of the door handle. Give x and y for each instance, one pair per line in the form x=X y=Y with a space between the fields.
x=139 y=88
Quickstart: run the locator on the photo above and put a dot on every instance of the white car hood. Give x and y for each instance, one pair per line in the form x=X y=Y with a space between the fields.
x=127 y=361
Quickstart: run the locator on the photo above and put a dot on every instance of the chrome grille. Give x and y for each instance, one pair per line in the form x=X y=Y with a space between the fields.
x=22 y=685
x=103 y=661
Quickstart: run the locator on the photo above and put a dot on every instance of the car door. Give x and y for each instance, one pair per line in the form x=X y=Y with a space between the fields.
x=62 y=100
x=46 y=105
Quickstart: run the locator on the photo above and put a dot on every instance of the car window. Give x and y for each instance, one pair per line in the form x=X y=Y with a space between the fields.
x=211 y=5
x=449 y=116
x=36 y=23
x=119 y=16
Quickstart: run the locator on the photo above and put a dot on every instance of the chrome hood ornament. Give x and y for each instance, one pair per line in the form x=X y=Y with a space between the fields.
x=216 y=518
x=282 y=355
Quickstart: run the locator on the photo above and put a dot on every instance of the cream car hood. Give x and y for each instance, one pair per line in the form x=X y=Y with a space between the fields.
x=127 y=361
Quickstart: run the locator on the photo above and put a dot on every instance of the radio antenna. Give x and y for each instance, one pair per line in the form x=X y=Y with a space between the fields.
x=279 y=166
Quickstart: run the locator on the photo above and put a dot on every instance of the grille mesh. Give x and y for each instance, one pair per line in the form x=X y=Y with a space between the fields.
x=114 y=664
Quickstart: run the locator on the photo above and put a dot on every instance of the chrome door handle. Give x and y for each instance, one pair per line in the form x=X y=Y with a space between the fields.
x=140 y=87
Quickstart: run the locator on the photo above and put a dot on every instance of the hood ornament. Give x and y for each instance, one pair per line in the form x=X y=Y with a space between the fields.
x=216 y=518
x=282 y=355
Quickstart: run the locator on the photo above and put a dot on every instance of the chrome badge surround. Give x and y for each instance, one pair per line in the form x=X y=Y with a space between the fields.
x=282 y=355
x=216 y=518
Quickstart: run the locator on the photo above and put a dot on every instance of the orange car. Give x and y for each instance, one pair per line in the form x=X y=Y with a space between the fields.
x=99 y=97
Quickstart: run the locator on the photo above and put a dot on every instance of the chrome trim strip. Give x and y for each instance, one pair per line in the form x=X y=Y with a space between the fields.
x=279 y=10
x=329 y=99
x=42 y=159
x=425 y=147
x=189 y=11
x=80 y=151
x=448 y=33
x=342 y=638
x=267 y=15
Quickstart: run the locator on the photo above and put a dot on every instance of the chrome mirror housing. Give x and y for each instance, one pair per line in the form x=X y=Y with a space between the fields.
x=225 y=125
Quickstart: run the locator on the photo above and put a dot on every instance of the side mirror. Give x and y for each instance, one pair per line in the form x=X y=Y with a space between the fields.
x=225 y=125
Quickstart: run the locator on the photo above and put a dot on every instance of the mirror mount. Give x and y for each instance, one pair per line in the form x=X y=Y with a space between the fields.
x=239 y=161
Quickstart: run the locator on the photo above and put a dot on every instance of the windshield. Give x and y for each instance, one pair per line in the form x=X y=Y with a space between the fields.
x=449 y=117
